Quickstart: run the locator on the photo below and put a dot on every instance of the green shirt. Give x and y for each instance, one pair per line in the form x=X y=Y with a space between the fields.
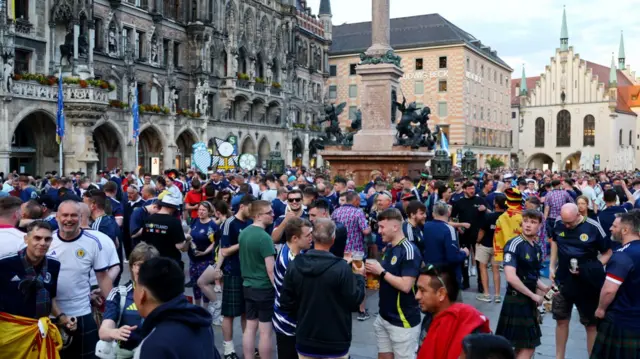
x=255 y=245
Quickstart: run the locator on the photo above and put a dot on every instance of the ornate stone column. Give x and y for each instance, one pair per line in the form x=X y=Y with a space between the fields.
x=305 y=149
x=52 y=48
x=92 y=42
x=381 y=34
x=76 y=35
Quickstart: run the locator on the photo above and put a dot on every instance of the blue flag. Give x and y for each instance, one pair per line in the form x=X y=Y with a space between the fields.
x=135 y=114
x=60 y=112
x=444 y=143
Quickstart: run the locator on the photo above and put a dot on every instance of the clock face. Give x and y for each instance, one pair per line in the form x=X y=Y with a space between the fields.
x=225 y=149
x=248 y=162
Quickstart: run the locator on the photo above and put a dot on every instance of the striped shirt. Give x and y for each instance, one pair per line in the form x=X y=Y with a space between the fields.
x=282 y=323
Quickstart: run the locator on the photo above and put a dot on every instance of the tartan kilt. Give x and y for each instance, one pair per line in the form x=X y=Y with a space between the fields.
x=232 y=296
x=614 y=342
x=518 y=321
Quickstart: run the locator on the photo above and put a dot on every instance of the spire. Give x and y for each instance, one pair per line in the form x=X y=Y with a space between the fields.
x=564 y=32
x=613 y=74
x=325 y=7
x=621 y=55
x=523 y=84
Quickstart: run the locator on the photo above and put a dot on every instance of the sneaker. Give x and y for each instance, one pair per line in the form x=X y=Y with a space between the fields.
x=362 y=316
x=484 y=298
x=497 y=299
x=472 y=271
x=217 y=322
x=231 y=356
x=256 y=353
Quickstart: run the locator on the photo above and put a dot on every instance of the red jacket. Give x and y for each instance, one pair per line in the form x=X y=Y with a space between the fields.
x=444 y=338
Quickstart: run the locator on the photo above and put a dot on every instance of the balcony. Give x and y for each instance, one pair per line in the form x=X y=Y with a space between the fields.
x=275 y=91
x=243 y=84
x=260 y=87
x=72 y=93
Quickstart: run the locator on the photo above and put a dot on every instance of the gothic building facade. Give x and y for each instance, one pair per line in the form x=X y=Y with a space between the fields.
x=253 y=70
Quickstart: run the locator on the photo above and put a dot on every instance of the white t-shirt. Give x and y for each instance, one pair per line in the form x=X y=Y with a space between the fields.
x=11 y=241
x=78 y=258
x=110 y=252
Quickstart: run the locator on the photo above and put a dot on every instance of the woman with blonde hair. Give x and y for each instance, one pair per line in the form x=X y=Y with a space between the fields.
x=120 y=328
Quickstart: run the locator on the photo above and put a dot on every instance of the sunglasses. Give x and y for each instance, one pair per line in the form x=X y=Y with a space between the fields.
x=294 y=199
x=435 y=272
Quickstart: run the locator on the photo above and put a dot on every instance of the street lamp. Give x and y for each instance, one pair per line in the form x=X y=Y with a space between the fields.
x=441 y=165
x=469 y=164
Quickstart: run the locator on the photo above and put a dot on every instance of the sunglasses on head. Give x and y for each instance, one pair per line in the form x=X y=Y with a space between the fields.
x=294 y=199
x=433 y=271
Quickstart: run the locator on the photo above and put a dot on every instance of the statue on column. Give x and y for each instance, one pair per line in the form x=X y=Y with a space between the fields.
x=172 y=100
x=113 y=42
x=7 y=80
x=132 y=88
x=198 y=98
x=66 y=49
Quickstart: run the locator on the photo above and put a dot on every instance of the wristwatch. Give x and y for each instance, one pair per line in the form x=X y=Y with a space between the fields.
x=384 y=272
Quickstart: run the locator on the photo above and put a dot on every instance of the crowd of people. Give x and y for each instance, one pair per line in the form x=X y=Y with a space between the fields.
x=293 y=254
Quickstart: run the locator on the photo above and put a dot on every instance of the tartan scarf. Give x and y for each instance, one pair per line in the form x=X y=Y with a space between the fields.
x=33 y=285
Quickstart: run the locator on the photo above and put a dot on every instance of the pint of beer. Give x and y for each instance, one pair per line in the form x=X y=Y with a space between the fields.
x=357 y=258
x=372 y=280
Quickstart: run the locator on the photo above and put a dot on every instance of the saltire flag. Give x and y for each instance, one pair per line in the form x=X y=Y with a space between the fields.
x=444 y=143
x=60 y=112
x=135 y=114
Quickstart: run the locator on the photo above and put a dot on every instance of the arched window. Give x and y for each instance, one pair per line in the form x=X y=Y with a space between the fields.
x=539 y=132
x=589 y=133
x=563 y=129
x=630 y=137
x=620 y=138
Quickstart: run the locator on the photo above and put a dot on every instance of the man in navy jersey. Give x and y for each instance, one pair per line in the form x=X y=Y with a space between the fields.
x=106 y=224
x=279 y=204
x=518 y=321
x=233 y=304
x=397 y=326
x=580 y=238
x=619 y=307
x=111 y=190
x=298 y=235
x=608 y=214
x=412 y=227
x=295 y=209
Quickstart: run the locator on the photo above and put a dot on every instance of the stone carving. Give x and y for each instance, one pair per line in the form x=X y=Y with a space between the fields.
x=132 y=88
x=410 y=135
x=173 y=96
x=154 y=49
x=113 y=42
x=202 y=103
x=66 y=49
x=356 y=125
x=333 y=132
x=388 y=58
x=46 y=92
x=7 y=80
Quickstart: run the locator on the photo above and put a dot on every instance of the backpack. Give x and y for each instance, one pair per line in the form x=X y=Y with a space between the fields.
x=107 y=350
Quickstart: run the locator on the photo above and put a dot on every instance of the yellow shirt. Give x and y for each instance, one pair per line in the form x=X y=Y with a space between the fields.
x=509 y=225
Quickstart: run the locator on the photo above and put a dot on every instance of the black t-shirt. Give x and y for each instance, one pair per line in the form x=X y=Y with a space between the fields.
x=164 y=231
x=489 y=228
x=341 y=241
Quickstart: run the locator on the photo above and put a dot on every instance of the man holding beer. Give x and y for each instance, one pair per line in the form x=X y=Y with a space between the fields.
x=398 y=323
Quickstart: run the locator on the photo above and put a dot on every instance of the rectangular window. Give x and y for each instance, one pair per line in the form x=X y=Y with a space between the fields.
x=481 y=113
x=442 y=86
x=140 y=36
x=419 y=64
x=418 y=88
x=353 y=91
x=352 y=112
x=22 y=60
x=22 y=9
x=176 y=54
x=442 y=109
x=99 y=34
x=140 y=93
x=125 y=39
x=333 y=70
x=333 y=92
x=442 y=62
x=165 y=52
x=352 y=69
x=513 y=114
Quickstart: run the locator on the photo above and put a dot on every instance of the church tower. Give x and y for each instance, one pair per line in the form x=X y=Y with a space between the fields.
x=325 y=16
x=621 y=55
x=613 y=85
x=564 y=32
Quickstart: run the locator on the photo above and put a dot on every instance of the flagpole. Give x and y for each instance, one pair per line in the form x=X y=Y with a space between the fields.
x=60 y=123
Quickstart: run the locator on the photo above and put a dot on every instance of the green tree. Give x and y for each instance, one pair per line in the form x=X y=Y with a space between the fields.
x=494 y=163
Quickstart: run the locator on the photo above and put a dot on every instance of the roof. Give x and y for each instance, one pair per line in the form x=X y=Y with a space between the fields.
x=597 y=70
x=406 y=33
x=515 y=83
x=325 y=7
x=628 y=97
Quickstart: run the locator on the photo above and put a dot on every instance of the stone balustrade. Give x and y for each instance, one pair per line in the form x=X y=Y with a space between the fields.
x=259 y=87
x=72 y=93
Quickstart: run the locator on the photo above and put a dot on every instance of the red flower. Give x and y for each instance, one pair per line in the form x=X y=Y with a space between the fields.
x=83 y=83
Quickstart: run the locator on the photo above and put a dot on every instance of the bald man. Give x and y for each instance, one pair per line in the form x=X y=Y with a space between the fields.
x=580 y=240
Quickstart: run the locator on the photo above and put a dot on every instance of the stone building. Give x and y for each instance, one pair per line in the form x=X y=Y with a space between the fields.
x=576 y=114
x=203 y=69
x=463 y=81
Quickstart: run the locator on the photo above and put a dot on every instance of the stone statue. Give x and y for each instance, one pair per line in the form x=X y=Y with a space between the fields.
x=199 y=94
x=113 y=43
x=7 y=80
x=171 y=103
x=66 y=49
x=356 y=125
x=132 y=88
x=333 y=131
x=83 y=45
x=234 y=65
x=154 y=52
x=388 y=58
x=394 y=105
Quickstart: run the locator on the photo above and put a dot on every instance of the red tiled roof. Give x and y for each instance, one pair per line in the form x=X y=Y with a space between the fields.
x=603 y=74
x=628 y=97
x=515 y=84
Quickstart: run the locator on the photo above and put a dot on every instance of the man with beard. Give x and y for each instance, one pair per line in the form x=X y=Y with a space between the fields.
x=79 y=253
x=320 y=209
x=518 y=321
x=582 y=241
x=11 y=239
x=412 y=227
x=619 y=297
x=295 y=209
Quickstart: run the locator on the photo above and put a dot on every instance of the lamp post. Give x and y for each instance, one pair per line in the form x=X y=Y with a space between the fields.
x=469 y=164
x=441 y=165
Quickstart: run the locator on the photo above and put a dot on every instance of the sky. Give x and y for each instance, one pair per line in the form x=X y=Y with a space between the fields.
x=523 y=32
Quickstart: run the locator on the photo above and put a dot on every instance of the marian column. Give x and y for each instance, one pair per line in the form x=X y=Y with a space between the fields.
x=380 y=73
